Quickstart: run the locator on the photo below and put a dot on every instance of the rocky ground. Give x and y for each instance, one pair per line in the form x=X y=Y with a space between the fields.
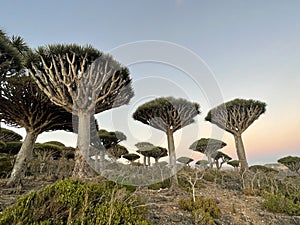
x=236 y=208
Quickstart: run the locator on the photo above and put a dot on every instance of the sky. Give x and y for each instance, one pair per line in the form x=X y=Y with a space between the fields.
x=208 y=52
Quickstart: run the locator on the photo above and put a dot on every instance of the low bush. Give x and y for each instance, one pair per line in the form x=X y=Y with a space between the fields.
x=76 y=202
x=204 y=210
x=279 y=203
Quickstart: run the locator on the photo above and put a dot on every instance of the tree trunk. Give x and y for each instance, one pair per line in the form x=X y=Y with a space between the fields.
x=241 y=152
x=243 y=161
x=81 y=168
x=156 y=160
x=209 y=159
x=172 y=158
x=148 y=159
x=145 y=161
x=23 y=158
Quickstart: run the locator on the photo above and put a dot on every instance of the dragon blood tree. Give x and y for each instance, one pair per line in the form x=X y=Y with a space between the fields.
x=84 y=82
x=168 y=115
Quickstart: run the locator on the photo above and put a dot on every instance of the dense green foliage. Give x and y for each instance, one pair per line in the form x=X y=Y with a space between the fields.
x=76 y=202
x=203 y=210
x=167 y=112
x=279 y=203
x=12 y=148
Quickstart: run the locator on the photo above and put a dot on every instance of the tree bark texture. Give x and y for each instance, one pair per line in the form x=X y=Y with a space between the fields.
x=172 y=158
x=23 y=158
x=82 y=169
x=245 y=173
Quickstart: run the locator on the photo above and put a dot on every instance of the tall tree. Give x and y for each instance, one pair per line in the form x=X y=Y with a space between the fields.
x=235 y=117
x=168 y=115
x=83 y=81
x=24 y=105
x=208 y=146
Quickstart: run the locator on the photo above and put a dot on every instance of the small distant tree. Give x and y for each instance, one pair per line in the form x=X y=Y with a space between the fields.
x=220 y=158
x=234 y=163
x=203 y=164
x=110 y=138
x=235 y=117
x=209 y=147
x=144 y=149
x=158 y=152
x=291 y=162
x=116 y=152
x=185 y=160
x=168 y=115
x=131 y=157
x=84 y=82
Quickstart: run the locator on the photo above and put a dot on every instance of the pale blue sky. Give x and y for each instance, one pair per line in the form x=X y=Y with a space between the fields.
x=252 y=47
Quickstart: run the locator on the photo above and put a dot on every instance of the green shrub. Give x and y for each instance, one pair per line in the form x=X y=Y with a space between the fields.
x=76 y=202
x=12 y=148
x=279 y=203
x=204 y=210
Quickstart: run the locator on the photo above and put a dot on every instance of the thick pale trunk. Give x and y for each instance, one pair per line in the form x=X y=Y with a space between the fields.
x=209 y=159
x=23 y=158
x=172 y=158
x=243 y=161
x=241 y=152
x=145 y=161
x=156 y=160
x=82 y=168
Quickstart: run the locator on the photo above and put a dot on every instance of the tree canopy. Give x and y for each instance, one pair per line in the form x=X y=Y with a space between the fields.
x=110 y=138
x=167 y=113
x=39 y=114
x=207 y=146
x=11 y=58
x=131 y=157
x=74 y=77
x=116 y=151
x=291 y=162
x=185 y=160
x=7 y=135
x=237 y=115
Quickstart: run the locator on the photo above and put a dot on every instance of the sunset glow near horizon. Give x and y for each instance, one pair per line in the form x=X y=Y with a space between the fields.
x=252 y=48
